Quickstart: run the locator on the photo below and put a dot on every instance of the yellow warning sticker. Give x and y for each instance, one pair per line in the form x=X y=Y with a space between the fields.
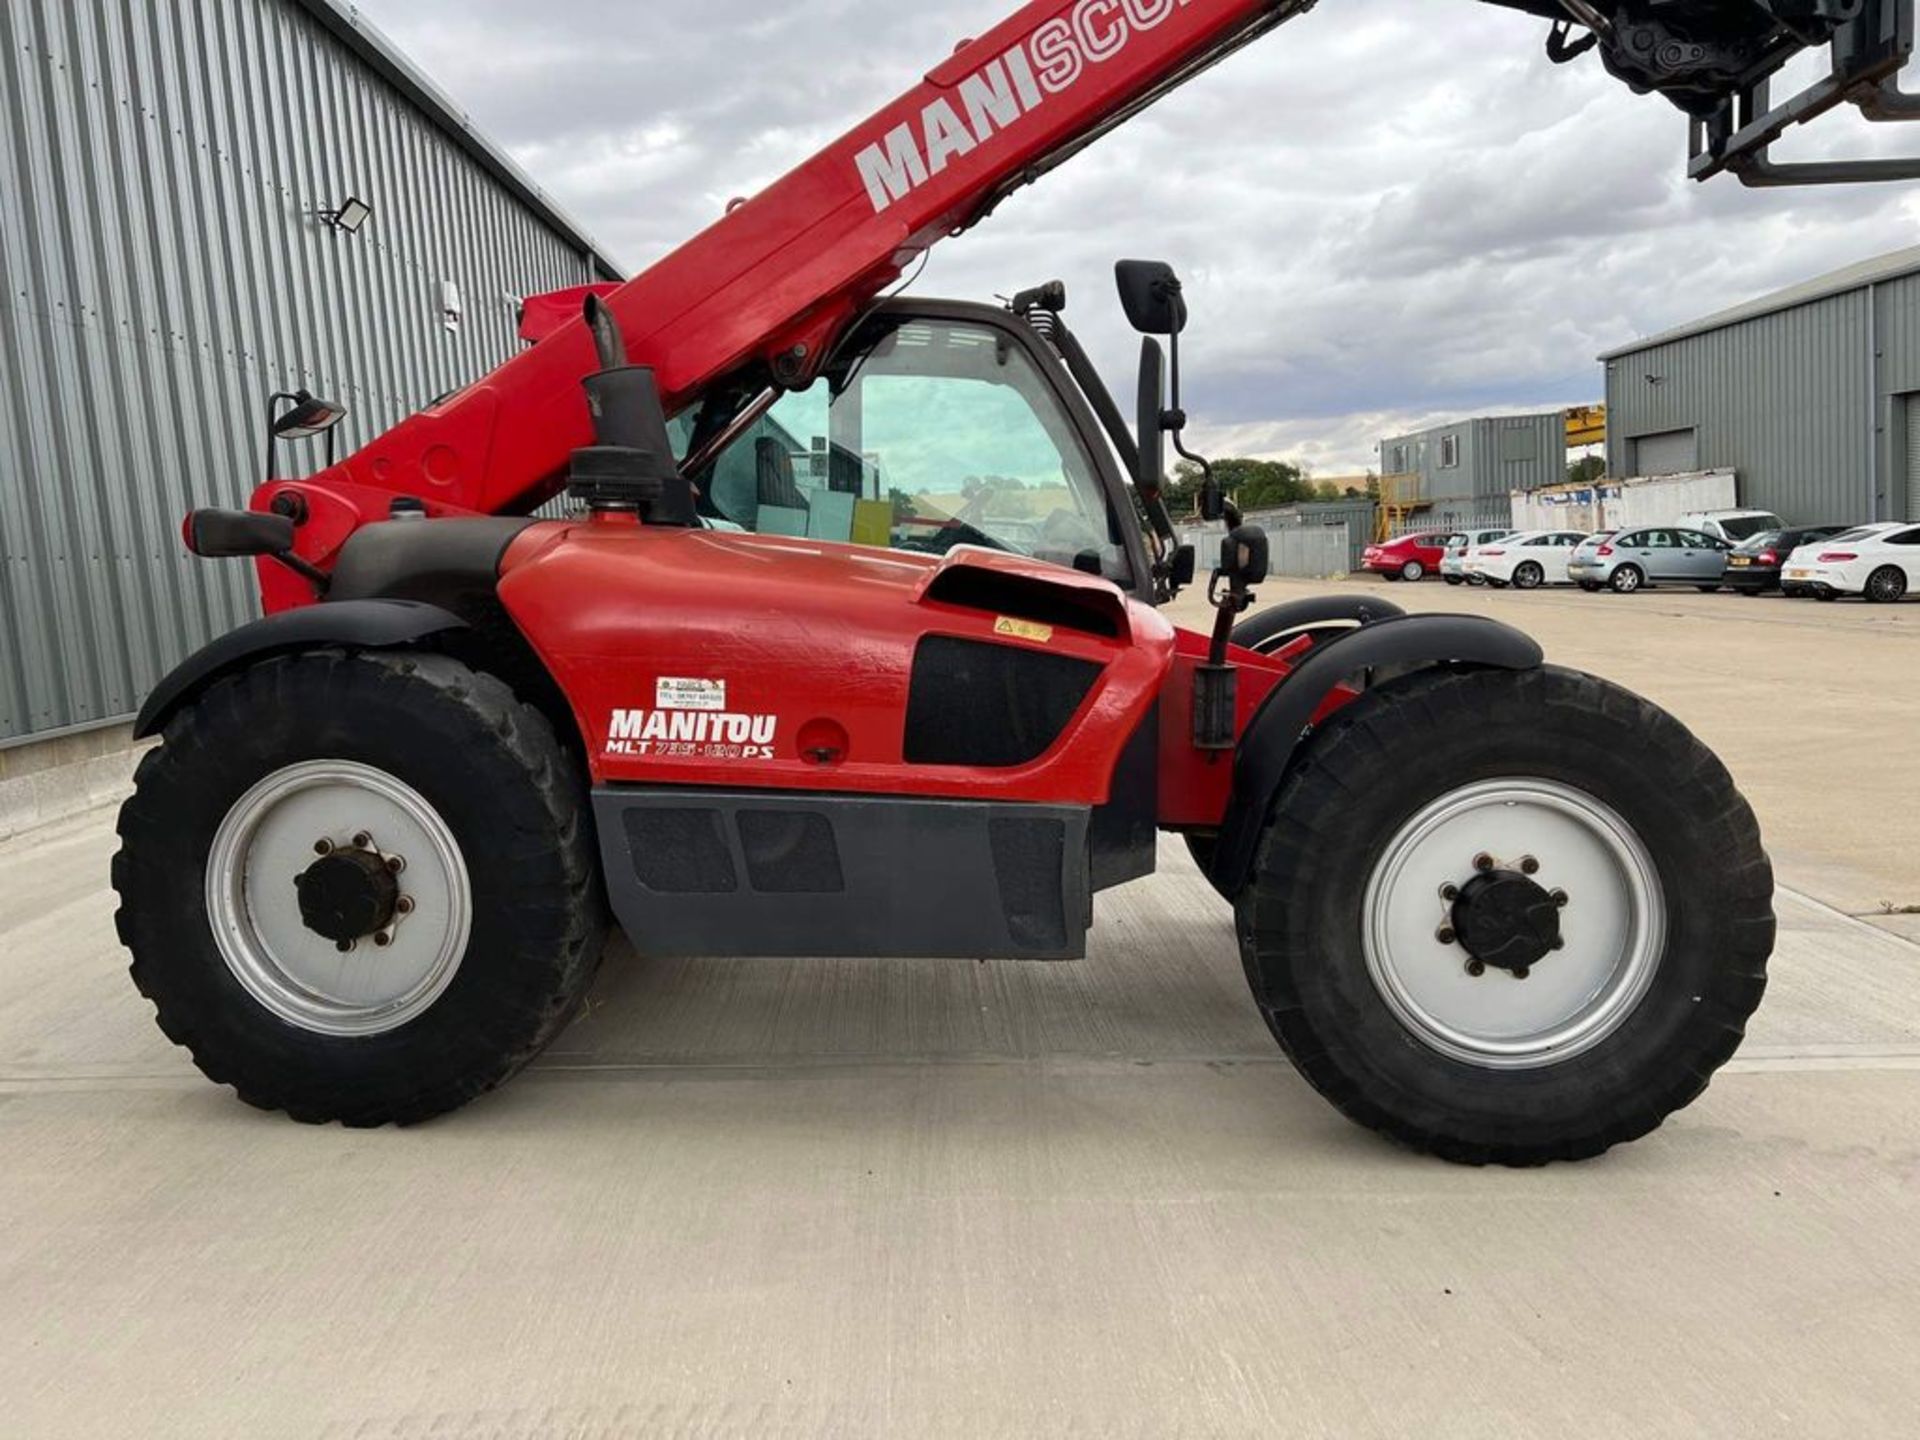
x=1023 y=630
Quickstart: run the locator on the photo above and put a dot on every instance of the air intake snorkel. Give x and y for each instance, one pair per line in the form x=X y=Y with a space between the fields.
x=630 y=466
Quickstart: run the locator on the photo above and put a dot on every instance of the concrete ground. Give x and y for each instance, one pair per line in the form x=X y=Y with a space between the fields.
x=874 y=1199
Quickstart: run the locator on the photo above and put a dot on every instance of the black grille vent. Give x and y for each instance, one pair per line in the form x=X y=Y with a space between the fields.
x=993 y=706
x=790 y=852
x=680 y=852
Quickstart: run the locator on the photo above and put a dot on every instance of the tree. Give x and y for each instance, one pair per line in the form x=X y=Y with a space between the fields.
x=1250 y=484
x=1586 y=470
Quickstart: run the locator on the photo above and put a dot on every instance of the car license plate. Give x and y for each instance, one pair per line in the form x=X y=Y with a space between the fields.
x=1740 y=562
x=1799 y=574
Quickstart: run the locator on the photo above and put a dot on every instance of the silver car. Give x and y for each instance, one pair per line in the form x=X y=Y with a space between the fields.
x=1658 y=555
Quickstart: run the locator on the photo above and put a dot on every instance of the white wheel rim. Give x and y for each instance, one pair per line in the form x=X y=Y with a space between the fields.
x=270 y=837
x=1613 y=925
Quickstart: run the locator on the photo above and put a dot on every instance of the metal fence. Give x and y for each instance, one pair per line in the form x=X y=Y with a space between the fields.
x=1300 y=552
x=163 y=268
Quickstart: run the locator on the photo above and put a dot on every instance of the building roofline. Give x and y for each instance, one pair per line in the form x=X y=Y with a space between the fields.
x=347 y=24
x=1860 y=276
x=1461 y=424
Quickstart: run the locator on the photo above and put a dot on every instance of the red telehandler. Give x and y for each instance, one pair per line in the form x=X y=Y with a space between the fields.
x=848 y=645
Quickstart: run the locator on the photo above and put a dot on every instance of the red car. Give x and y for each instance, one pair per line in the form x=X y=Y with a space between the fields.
x=1411 y=557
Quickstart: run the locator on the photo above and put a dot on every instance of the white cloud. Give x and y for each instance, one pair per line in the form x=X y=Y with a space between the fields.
x=1390 y=212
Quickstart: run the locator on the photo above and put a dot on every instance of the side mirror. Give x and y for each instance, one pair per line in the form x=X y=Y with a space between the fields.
x=1246 y=557
x=306 y=416
x=1182 y=568
x=1152 y=417
x=1150 y=294
x=237 y=534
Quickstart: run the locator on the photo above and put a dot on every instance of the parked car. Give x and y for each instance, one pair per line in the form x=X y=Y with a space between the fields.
x=1584 y=555
x=1732 y=526
x=1754 y=566
x=1411 y=557
x=1527 y=560
x=1881 y=562
x=1453 y=566
x=1661 y=555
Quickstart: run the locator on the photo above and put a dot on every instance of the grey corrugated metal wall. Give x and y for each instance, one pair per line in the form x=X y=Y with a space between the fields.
x=160 y=163
x=1808 y=405
x=1495 y=457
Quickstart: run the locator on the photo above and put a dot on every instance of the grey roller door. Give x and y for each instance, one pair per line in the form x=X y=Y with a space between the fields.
x=1913 y=457
x=1673 y=452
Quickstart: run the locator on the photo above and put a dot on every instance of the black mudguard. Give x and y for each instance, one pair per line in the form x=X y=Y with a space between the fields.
x=1320 y=613
x=1272 y=741
x=355 y=624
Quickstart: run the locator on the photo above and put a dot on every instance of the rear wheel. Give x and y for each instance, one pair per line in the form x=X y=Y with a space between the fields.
x=1627 y=579
x=1708 y=589
x=1592 y=587
x=1887 y=585
x=1529 y=576
x=374 y=908
x=1533 y=952
x=1456 y=579
x=1413 y=570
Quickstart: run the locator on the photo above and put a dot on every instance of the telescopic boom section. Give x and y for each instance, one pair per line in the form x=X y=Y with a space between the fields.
x=781 y=277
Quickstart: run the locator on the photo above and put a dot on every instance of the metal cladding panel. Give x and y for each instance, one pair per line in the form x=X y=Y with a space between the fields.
x=161 y=163
x=1787 y=400
x=1521 y=452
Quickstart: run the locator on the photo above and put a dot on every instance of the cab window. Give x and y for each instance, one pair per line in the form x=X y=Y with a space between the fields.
x=944 y=433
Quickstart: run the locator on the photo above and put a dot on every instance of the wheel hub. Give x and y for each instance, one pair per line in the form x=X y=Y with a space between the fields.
x=1505 y=919
x=347 y=895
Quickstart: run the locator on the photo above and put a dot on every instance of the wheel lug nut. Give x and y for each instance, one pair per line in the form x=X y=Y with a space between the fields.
x=1483 y=863
x=404 y=905
x=382 y=940
x=1449 y=893
x=1476 y=968
x=1446 y=935
x=1522 y=973
x=323 y=847
x=1560 y=944
x=1560 y=898
x=363 y=841
x=396 y=864
x=1529 y=866
x=345 y=947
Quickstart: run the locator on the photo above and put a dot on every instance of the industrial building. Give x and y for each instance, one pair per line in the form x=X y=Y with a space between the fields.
x=200 y=205
x=1812 y=395
x=1464 y=473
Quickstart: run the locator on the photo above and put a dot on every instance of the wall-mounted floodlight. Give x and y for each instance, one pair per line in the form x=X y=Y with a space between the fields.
x=350 y=217
x=300 y=415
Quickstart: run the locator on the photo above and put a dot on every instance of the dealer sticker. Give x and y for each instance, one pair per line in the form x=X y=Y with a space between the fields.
x=673 y=694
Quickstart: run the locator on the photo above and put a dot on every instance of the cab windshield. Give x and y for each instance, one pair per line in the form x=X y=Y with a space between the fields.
x=944 y=433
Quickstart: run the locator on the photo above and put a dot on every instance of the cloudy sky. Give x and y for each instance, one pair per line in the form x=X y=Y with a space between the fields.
x=1390 y=213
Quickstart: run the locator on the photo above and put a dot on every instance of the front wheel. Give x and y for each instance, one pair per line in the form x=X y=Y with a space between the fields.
x=1592 y=587
x=360 y=887
x=1456 y=579
x=1525 y=951
x=1529 y=576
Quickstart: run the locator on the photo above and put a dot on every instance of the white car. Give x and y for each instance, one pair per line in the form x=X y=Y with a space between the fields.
x=1881 y=562
x=1527 y=560
x=1732 y=526
x=1453 y=566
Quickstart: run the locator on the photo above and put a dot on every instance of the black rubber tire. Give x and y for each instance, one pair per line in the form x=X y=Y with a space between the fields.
x=1413 y=572
x=1529 y=576
x=1300 y=919
x=1456 y=579
x=1624 y=586
x=514 y=801
x=1708 y=589
x=1826 y=596
x=1592 y=587
x=1887 y=586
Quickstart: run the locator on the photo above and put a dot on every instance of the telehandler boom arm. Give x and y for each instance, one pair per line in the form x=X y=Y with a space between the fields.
x=771 y=287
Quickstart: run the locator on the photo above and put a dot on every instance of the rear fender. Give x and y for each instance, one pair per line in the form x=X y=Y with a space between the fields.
x=355 y=624
x=1272 y=742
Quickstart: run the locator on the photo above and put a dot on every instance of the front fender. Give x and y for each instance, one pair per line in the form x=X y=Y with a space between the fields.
x=357 y=624
x=1273 y=739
